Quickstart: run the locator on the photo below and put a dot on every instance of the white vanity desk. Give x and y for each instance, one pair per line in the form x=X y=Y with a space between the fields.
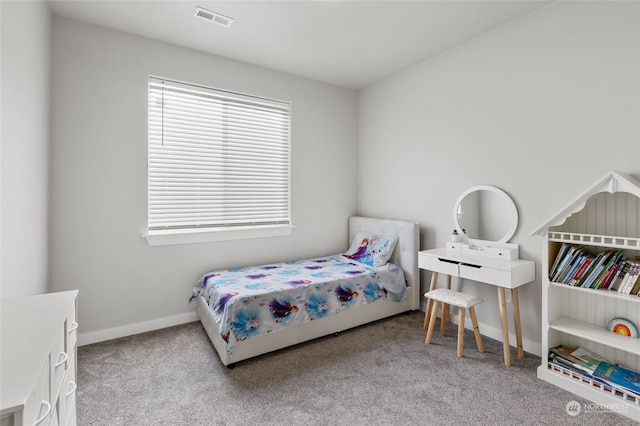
x=502 y=273
x=486 y=218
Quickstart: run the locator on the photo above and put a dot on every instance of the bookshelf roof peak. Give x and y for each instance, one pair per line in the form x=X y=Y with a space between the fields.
x=610 y=182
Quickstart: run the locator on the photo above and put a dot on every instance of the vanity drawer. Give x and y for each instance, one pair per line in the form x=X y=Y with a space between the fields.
x=437 y=264
x=485 y=274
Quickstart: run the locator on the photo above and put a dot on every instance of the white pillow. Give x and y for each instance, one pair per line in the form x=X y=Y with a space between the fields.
x=371 y=249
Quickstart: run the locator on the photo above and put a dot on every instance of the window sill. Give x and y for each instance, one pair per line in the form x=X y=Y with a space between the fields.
x=191 y=236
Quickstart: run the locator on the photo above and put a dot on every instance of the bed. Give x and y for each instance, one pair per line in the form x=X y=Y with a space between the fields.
x=283 y=304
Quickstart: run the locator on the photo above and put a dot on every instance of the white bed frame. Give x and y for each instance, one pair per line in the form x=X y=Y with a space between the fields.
x=405 y=255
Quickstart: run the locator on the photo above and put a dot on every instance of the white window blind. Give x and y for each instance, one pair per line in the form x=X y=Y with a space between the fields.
x=216 y=158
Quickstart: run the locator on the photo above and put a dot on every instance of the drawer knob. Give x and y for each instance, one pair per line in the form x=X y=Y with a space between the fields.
x=46 y=413
x=74 y=326
x=62 y=359
x=72 y=388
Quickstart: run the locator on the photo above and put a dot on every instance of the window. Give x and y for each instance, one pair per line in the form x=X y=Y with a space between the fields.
x=218 y=162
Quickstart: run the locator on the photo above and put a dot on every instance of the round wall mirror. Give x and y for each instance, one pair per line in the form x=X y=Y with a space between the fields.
x=486 y=214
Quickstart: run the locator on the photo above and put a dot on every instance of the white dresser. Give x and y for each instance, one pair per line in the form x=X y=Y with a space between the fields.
x=38 y=360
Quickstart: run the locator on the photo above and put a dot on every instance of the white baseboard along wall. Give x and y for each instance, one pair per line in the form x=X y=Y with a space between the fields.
x=137 y=328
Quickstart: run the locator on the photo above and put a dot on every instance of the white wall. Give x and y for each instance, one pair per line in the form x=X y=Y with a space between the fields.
x=99 y=182
x=24 y=95
x=541 y=107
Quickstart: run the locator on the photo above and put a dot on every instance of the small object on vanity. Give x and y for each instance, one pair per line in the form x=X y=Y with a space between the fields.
x=455 y=237
x=454 y=247
x=623 y=326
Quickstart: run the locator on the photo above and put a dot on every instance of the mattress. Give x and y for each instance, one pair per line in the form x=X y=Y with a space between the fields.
x=252 y=301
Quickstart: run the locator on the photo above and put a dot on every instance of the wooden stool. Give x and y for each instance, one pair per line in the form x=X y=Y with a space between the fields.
x=462 y=301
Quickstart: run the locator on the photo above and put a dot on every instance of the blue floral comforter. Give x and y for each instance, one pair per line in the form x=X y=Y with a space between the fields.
x=255 y=300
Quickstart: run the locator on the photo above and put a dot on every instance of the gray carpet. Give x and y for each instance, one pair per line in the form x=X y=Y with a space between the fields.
x=377 y=374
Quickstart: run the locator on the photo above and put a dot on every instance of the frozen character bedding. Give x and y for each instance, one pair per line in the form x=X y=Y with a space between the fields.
x=252 y=301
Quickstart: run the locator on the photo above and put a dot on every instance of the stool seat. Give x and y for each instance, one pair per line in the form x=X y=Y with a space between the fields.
x=455 y=298
x=461 y=300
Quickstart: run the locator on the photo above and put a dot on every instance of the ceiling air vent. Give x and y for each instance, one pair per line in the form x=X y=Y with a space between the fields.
x=214 y=17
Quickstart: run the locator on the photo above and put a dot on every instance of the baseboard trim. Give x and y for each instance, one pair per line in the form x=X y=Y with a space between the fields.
x=157 y=324
x=495 y=333
x=137 y=328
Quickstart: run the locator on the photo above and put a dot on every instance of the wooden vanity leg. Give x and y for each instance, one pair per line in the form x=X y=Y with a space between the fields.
x=516 y=320
x=505 y=326
x=427 y=314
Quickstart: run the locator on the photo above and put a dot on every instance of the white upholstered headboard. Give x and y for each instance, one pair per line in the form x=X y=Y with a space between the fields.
x=406 y=253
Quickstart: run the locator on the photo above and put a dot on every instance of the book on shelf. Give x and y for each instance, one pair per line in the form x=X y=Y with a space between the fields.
x=636 y=286
x=622 y=272
x=582 y=270
x=613 y=272
x=573 y=269
x=624 y=279
x=575 y=266
x=594 y=367
x=592 y=279
x=564 y=262
x=610 y=261
x=571 y=263
x=590 y=359
x=596 y=271
x=566 y=364
x=559 y=257
x=563 y=363
x=618 y=376
x=562 y=357
x=630 y=279
x=565 y=352
x=579 y=358
x=634 y=279
x=589 y=276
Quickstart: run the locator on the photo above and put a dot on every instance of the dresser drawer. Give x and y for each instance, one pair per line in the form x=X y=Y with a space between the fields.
x=436 y=264
x=58 y=358
x=67 y=398
x=71 y=330
x=53 y=419
x=37 y=408
x=485 y=274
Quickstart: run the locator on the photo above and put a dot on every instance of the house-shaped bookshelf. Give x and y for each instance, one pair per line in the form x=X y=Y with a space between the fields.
x=605 y=218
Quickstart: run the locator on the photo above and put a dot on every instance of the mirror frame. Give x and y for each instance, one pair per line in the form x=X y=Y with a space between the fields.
x=512 y=211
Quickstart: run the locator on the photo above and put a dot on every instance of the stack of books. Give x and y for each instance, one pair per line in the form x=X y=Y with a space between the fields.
x=596 y=368
x=609 y=270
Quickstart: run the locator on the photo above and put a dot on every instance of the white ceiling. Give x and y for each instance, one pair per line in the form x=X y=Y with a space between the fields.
x=346 y=43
